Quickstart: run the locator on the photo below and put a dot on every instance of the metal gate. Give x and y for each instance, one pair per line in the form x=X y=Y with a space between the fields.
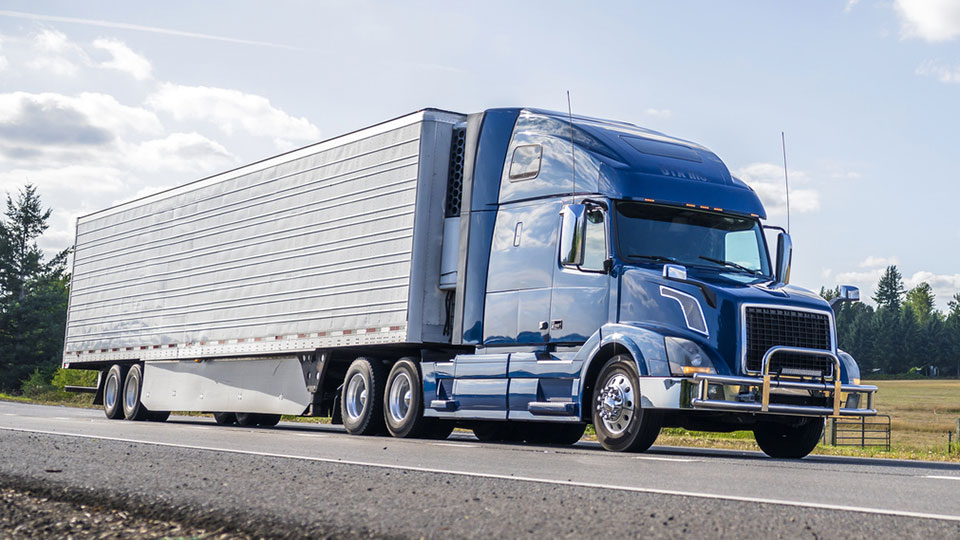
x=862 y=432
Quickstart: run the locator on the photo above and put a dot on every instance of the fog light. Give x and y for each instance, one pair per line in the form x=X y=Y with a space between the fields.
x=715 y=392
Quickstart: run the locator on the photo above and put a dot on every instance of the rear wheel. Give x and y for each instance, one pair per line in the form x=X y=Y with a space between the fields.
x=113 y=392
x=789 y=440
x=246 y=419
x=225 y=418
x=133 y=383
x=403 y=401
x=361 y=402
x=621 y=423
x=158 y=416
x=268 y=420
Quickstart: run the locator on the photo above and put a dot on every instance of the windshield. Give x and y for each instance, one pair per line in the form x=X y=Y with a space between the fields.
x=650 y=232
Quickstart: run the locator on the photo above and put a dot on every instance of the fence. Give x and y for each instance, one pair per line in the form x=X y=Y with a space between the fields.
x=864 y=431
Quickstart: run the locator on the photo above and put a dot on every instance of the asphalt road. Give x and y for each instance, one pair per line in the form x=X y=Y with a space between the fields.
x=314 y=480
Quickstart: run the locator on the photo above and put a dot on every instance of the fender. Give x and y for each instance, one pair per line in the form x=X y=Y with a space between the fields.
x=644 y=346
x=849 y=369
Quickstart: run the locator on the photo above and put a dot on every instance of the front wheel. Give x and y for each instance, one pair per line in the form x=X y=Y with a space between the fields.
x=789 y=440
x=621 y=423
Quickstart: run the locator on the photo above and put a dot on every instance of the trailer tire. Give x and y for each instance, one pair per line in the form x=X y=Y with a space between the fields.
x=133 y=409
x=113 y=392
x=225 y=418
x=403 y=401
x=621 y=423
x=268 y=420
x=361 y=401
x=246 y=419
x=786 y=441
x=158 y=416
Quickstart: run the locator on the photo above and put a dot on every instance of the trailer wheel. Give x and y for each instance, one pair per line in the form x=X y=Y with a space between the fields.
x=789 y=441
x=158 y=416
x=246 y=419
x=361 y=402
x=621 y=423
x=268 y=420
x=225 y=418
x=113 y=392
x=132 y=408
x=403 y=401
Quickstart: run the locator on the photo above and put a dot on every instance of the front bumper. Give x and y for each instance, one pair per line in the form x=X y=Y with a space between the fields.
x=764 y=387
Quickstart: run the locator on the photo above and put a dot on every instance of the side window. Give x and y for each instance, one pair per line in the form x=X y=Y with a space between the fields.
x=741 y=247
x=525 y=163
x=595 y=244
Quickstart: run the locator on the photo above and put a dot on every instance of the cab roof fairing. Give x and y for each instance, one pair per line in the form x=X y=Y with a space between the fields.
x=642 y=164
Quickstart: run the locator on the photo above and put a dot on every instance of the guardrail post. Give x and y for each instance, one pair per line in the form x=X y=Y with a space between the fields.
x=833 y=432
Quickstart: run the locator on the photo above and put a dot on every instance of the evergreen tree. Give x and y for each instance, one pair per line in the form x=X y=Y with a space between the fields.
x=922 y=301
x=33 y=293
x=890 y=289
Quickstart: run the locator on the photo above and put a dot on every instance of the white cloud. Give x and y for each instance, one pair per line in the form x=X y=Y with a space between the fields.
x=178 y=152
x=767 y=180
x=930 y=20
x=231 y=110
x=50 y=127
x=658 y=113
x=71 y=178
x=879 y=262
x=124 y=59
x=943 y=73
x=944 y=285
x=56 y=54
x=850 y=5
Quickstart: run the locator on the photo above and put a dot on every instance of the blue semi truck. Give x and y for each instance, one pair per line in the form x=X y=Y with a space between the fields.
x=519 y=272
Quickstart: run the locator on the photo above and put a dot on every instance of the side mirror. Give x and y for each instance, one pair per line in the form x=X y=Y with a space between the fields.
x=573 y=229
x=848 y=293
x=784 y=258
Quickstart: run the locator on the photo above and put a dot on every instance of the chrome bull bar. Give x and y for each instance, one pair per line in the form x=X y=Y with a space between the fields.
x=765 y=383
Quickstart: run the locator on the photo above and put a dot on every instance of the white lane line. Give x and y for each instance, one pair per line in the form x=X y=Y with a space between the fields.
x=8 y=414
x=942 y=477
x=311 y=435
x=455 y=445
x=655 y=458
x=61 y=418
x=548 y=481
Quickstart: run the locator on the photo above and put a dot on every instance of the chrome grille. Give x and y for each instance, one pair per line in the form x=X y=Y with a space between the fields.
x=768 y=327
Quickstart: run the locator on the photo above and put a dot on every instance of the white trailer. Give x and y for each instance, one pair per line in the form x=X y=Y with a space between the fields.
x=217 y=294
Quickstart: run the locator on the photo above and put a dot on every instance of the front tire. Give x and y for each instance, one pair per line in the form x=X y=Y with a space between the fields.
x=789 y=441
x=361 y=401
x=132 y=385
x=113 y=392
x=621 y=423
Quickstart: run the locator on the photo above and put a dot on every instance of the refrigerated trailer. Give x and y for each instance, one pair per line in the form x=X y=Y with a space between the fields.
x=515 y=271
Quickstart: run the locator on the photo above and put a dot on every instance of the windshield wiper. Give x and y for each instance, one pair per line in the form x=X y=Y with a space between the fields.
x=660 y=258
x=731 y=264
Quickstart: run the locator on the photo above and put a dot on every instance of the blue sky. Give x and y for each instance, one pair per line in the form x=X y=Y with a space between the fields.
x=103 y=101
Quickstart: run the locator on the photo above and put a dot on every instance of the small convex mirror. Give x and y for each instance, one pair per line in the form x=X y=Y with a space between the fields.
x=573 y=225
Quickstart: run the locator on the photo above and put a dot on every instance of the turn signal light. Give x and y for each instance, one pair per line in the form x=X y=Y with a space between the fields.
x=690 y=370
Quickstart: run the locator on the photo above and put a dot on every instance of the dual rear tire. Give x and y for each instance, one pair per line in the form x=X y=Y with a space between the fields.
x=121 y=395
x=374 y=401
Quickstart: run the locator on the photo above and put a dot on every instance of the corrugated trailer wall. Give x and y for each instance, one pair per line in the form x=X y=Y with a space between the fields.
x=314 y=248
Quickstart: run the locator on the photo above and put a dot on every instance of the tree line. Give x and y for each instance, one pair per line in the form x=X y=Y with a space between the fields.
x=904 y=333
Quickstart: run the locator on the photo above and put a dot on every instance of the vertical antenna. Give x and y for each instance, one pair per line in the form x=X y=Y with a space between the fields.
x=573 y=149
x=786 y=182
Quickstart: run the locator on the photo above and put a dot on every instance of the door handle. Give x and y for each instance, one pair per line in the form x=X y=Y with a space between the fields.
x=544 y=325
x=558 y=324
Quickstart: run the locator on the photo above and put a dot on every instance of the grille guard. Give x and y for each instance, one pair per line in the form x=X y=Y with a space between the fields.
x=835 y=389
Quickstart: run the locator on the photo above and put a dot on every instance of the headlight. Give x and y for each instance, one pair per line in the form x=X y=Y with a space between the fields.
x=686 y=357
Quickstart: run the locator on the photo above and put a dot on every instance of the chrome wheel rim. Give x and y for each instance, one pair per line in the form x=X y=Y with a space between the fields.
x=398 y=400
x=130 y=394
x=616 y=403
x=110 y=392
x=356 y=396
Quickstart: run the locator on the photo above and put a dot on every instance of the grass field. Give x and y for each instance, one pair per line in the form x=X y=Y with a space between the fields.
x=922 y=412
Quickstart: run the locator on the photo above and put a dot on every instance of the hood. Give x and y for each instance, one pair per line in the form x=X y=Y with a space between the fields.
x=642 y=303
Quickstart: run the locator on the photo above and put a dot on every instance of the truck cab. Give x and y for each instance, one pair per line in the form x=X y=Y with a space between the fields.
x=615 y=275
